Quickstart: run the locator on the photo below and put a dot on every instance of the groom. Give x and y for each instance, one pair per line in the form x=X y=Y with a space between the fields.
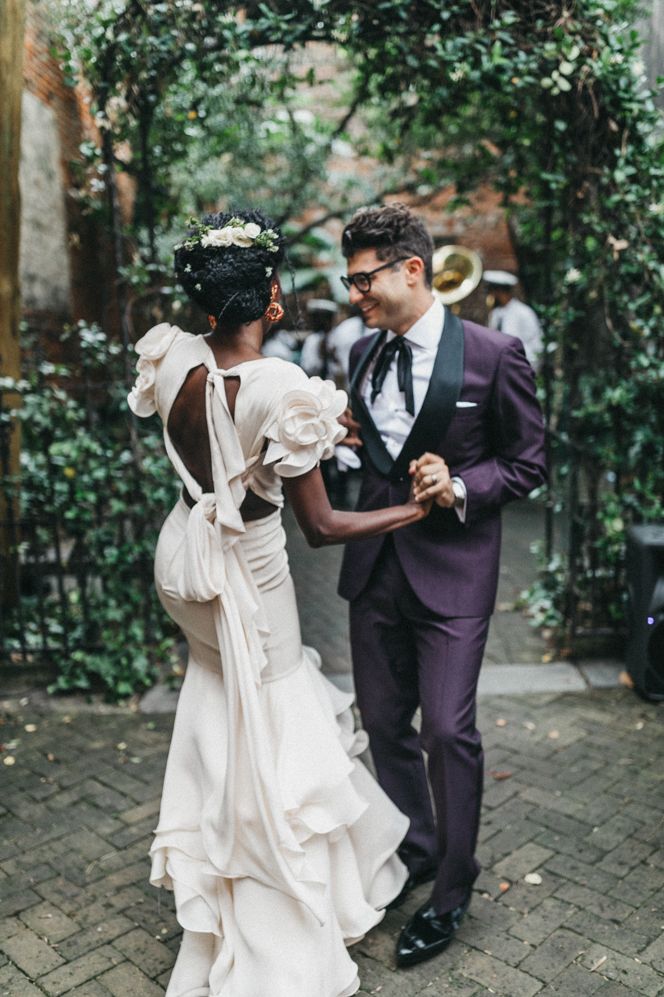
x=421 y=598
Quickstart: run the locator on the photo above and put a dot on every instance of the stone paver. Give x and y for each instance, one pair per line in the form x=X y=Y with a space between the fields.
x=30 y=952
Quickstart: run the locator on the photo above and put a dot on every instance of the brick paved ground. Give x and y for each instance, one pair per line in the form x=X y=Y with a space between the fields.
x=579 y=801
x=574 y=793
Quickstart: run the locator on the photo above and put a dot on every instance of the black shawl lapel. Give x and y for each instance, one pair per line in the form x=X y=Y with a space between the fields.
x=440 y=400
x=374 y=447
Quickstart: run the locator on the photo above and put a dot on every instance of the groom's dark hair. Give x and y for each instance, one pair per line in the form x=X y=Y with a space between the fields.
x=392 y=230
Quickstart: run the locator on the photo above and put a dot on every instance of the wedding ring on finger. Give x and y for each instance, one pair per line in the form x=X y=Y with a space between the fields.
x=433 y=478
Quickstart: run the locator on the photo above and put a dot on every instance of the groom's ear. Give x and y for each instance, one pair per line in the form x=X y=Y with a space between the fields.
x=415 y=270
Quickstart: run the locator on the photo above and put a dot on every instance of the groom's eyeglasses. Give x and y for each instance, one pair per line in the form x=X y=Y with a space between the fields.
x=362 y=279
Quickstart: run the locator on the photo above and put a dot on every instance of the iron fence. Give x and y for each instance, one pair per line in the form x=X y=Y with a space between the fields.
x=50 y=582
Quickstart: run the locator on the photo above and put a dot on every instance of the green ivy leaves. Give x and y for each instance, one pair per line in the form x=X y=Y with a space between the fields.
x=81 y=473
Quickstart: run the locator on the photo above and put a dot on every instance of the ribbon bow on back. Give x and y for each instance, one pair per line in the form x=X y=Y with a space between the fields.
x=398 y=346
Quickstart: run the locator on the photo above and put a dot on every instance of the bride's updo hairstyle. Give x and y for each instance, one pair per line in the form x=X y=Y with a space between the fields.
x=226 y=264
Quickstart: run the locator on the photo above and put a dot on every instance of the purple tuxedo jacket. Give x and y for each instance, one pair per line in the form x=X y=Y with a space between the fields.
x=496 y=447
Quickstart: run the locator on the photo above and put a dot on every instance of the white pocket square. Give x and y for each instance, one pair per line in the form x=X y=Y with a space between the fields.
x=466 y=404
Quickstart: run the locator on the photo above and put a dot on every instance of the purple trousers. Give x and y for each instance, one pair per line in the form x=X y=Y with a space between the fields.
x=405 y=656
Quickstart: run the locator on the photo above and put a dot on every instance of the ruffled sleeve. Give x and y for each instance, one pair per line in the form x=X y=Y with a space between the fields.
x=304 y=428
x=151 y=349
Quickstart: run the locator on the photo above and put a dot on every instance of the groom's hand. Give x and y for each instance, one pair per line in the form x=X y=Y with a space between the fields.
x=432 y=480
x=352 y=425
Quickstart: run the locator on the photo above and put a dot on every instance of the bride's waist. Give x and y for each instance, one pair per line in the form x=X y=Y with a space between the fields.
x=254 y=506
x=263 y=544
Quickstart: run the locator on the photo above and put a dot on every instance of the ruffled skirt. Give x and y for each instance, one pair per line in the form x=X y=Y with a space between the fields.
x=243 y=935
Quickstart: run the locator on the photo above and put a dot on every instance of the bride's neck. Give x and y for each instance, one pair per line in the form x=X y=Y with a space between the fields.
x=237 y=342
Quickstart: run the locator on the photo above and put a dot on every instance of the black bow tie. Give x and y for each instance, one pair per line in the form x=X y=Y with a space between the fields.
x=383 y=363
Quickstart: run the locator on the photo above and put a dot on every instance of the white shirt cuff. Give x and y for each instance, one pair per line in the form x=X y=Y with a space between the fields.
x=461 y=498
x=347 y=458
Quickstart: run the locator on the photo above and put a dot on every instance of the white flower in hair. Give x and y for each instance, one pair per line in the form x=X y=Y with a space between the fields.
x=236 y=232
x=240 y=237
x=217 y=238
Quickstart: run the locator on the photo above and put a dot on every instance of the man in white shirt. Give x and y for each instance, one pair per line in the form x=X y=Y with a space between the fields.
x=280 y=343
x=342 y=339
x=512 y=316
x=317 y=356
x=464 y=398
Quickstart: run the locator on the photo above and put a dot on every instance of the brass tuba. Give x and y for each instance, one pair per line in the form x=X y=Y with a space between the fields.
x=456 y=273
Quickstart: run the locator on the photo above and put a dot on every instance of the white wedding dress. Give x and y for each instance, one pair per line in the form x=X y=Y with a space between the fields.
x=278 y=844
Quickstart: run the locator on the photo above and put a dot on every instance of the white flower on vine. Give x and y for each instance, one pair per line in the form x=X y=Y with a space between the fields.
x=560 y=82
x=573 y=276
x=268 y=271
x=187 y=269
x=458 y=73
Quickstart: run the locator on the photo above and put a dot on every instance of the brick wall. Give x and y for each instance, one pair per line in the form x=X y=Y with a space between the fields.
x=89 y=294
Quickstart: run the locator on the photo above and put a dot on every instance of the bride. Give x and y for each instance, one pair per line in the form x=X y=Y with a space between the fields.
x=278 y=844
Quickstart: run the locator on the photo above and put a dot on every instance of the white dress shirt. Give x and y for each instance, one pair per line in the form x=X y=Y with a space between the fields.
x=388 y=411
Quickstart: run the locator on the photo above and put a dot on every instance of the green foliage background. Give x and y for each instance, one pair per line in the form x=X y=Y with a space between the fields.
x=108 y=493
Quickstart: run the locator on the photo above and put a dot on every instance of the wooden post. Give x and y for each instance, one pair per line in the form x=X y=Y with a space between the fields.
x=12 y=31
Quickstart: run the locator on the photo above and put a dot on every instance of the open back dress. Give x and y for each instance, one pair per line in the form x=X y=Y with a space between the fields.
x=277 y=842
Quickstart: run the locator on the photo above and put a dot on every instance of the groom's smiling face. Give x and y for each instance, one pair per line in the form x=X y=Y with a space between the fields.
x=389 y=302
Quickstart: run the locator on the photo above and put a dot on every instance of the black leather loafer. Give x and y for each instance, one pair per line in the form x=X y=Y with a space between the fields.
x=428 y=934
x=414 y=879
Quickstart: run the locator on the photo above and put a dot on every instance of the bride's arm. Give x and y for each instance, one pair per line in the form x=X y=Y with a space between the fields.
x=323 y=525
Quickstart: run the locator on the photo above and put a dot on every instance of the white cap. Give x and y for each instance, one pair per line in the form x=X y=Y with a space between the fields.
x=500 y=278
x=321 y=305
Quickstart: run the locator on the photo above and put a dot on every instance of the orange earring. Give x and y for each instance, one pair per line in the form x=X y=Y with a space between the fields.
x=213 y=322
x=274 y=311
